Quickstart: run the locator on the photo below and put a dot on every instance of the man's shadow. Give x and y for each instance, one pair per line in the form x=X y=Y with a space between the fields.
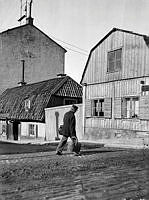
x=97 y=151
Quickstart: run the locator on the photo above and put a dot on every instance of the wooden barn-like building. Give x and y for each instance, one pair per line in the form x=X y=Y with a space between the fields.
x=116 y=90
x=22 y=111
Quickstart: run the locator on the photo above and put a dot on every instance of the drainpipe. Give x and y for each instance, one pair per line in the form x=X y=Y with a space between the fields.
x=84 y=99
x=7 y=128
x=113 y=99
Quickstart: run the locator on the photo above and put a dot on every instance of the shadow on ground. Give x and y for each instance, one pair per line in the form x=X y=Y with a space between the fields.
x=17 y=148
x=102 y=150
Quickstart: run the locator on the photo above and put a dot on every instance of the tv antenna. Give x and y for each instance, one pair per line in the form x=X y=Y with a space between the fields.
x=24 y=4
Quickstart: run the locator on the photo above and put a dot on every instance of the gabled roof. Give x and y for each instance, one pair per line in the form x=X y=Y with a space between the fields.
x=12 y=101
x=18 y=27
x=109 y=33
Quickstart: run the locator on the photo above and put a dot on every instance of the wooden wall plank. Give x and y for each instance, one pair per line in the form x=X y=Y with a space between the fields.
x=135 y=58
x=117 y=107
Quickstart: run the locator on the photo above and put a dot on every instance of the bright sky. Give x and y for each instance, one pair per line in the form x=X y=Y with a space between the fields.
x=81 y=23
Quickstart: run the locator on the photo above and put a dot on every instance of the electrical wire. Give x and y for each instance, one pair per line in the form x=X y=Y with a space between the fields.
x=75 y=51
x=72 y=45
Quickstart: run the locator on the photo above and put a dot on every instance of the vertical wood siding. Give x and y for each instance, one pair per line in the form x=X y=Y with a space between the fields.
x=130 y=87
x=117 y=85
x=125 y=124
x=135 y=58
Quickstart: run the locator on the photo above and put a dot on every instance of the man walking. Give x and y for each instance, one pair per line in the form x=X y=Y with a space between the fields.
x=68 y=130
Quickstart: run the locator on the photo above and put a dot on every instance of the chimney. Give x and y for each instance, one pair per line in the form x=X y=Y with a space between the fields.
x=29 y=20
x=22 y=82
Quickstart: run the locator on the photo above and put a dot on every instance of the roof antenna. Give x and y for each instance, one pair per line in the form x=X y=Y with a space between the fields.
x=30 y=8
x=22 y=16
x=29 y=20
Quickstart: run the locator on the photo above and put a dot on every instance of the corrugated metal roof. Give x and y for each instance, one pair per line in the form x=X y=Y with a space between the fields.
x=12 y=101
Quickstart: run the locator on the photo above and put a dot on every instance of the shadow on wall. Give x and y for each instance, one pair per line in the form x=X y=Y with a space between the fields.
x=57 y=125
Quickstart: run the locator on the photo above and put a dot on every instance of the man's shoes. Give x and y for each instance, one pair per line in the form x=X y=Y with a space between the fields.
x=59 y=153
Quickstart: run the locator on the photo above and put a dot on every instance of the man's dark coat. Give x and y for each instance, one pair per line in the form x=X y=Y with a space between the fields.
x=69 y=124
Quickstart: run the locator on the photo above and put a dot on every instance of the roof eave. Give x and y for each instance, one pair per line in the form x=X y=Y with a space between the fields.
x=109 y=33
x=38 y=30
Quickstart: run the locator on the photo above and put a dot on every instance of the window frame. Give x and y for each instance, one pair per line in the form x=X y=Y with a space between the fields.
x=3 y=129
x=131 y=110
x=27 y=104
x=101 y=101
x=31 y=130
x=115 y=60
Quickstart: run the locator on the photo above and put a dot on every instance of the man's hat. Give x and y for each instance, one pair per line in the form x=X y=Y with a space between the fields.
x=75 y=107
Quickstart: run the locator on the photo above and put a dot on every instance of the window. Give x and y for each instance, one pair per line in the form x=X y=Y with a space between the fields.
x=144 y=107
x=27 y=104
x=98 y=107
x=4 y=129
x=31 y=129
x=130 y=107
x=114 y=60
x=4 y=126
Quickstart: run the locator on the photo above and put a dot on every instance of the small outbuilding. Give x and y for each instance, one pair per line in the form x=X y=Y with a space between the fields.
x=22 y=112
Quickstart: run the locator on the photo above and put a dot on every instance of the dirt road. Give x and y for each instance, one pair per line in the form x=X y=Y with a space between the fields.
x=103 y=174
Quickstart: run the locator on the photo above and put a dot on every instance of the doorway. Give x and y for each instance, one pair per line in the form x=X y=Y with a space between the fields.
x=15 y=130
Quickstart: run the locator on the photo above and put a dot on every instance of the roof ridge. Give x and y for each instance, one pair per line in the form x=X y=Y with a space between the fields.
x=35 y=83
x=131 y=32
x=38 y=30
x=59 y=85
x=103 y=38
x=9 y=29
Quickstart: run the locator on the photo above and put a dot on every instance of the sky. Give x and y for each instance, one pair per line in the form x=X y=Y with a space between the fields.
x=78 y=25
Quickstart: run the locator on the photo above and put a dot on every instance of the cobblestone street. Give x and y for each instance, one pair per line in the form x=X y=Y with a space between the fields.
x=103 y=173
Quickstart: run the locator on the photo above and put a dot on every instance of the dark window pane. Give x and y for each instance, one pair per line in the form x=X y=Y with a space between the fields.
x=101 y=114
x=118 y=54
x=111 y=67
x=114 y=60
x=118 y=65
x=111 y=56
x=95 y=113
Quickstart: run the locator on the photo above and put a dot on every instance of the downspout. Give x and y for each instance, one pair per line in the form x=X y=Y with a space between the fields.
x=113 y=100
x=7 y=128
x=84 y=107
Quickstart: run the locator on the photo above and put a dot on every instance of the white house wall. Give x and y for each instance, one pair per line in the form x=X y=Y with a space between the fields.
x=50 y=118
x=25 y=130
